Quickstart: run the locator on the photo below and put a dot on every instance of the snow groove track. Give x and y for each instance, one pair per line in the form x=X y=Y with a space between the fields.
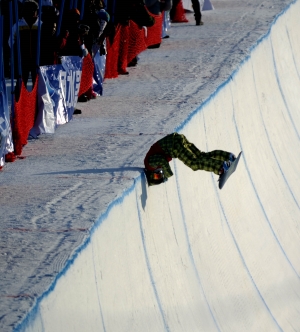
x=185 y=256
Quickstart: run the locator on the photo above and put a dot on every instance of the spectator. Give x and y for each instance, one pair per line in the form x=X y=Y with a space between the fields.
x=139 y=14
x=72 y=42
x=28 y=28
x=157 y=6
x=153 y=6
x=120 y=13
x=97 y=18
x=132 y=10
x=73 y=34
x=166 y=5
x=196 y=7
x=49 y=44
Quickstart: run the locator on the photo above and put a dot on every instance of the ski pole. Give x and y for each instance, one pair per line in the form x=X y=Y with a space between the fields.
x=82 y=10
x=61 y=11
x=38 y=49
x=18 y=44
x=1 y=51
x=11 y=62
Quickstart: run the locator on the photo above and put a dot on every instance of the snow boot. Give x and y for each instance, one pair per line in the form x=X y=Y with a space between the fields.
x=225 y=167
x=232 y=157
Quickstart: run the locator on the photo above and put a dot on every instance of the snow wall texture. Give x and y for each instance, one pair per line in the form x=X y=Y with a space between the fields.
x=185 y=256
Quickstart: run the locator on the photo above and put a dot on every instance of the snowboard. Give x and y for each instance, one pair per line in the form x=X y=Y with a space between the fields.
x=224 y=177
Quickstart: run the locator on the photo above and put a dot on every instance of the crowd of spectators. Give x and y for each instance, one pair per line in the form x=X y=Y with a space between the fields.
x=76 y=36
x=67 y=31
x=42 y=32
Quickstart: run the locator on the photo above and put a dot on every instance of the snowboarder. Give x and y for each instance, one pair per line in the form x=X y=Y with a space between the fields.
x=176 y=145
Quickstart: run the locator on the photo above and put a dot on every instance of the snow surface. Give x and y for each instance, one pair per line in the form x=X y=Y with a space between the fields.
x=86 y=246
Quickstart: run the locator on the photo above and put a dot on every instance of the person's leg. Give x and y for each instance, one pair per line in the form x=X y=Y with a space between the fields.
x=195 y=159
x=197 y=12
x=201 y=162
x=215 y=154
x=180 y=142
x=219 y=155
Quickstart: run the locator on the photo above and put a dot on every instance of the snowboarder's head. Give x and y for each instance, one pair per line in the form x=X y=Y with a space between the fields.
x=156 y=177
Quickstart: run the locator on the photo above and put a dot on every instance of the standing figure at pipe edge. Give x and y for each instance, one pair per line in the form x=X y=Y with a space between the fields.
x=196 y=8
x=28 y=30
x=176 y=145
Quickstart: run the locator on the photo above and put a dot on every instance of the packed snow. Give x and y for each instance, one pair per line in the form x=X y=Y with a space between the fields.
x=182 y=255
